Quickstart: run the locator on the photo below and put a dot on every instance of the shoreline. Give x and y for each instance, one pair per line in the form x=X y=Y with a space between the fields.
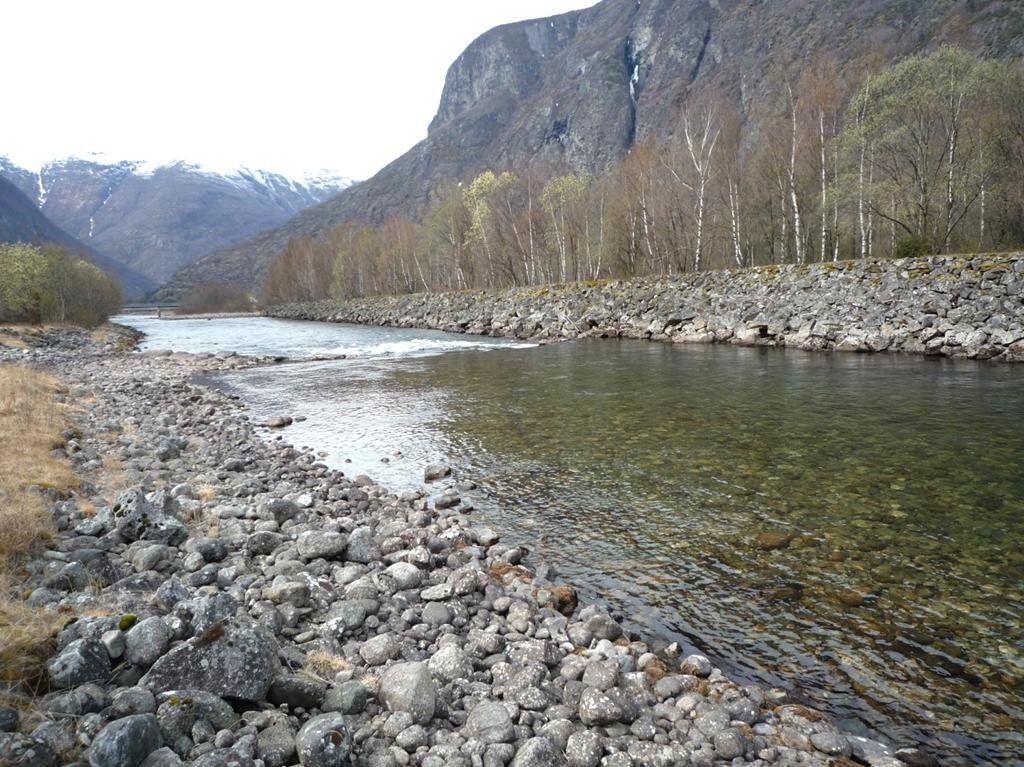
x=219 y=527
x=954 y=306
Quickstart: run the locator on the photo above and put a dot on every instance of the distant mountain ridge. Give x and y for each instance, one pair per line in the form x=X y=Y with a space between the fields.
x=22 y=221
x=156 y=218
x=582 y=87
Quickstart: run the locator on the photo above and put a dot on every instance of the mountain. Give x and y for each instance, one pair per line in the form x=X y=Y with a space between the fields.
x=22 y=221
x=154 y=219
x=582 y=87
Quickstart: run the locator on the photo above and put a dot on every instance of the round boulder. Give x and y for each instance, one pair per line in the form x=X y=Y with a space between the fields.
x=324 y=741
x=230 y=659
x=125 y=742
x=489 y=721
x=408 y=687
x=147 y=641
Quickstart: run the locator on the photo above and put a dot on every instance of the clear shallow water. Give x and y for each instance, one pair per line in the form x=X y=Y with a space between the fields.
x=659 y=478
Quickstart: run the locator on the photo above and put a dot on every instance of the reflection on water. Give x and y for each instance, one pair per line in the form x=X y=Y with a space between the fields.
x=843 y=525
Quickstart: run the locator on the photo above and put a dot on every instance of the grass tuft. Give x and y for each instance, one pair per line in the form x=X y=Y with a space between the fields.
x=326 y=664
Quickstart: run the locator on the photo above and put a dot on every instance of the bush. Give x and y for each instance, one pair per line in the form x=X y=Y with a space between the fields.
x=48 y=284
x=214 y=298
x=912 y=246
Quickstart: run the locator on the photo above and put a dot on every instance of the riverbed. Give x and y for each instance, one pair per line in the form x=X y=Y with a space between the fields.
x=844 y=526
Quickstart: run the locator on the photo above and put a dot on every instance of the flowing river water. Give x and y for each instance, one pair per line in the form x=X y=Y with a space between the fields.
x=848 y=527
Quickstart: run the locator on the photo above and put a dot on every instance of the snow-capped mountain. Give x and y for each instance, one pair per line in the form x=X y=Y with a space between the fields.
x=157 y=217
x=22 y=221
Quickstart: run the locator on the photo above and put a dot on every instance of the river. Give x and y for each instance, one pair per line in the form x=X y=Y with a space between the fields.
x=849 y=527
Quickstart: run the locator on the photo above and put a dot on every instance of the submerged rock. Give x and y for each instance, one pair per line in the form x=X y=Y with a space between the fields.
x=771 y=541
x=436 y=471
x=277 y=422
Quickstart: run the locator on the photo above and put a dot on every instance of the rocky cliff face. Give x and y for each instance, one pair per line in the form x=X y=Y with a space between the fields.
x=582 y=87
x=155 y=219
x=22 y=221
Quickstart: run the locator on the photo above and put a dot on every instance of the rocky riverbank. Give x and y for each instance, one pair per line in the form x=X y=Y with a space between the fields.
x=231 y=602
x=952 y=306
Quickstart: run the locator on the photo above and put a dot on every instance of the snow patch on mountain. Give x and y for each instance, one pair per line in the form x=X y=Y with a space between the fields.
x=316 y=179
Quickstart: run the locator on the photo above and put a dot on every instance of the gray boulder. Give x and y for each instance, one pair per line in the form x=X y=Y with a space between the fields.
x=137 y=520
x=9 y=718
x=348 y=698
x=230 y=659
x=84 y=660
x=20 y=750
x=297 y=692
x=380 y=649
x=263 y=542
x=125 y=742
x=435 y=471
x=317 y=544
x=324 y=741
x=126 y=701
x=207 y=611
x=697 y=665
x=597 y=709
x=361 y=546
x=147 y=641
x=729 y=743
x=584 y=749
x=451 y=663
x=224 y=757
x=538 y=752
x=205 y=705
x=162 y=757
x=276 y=745
x=489 y=721
x=408 y=687
x=405 y=575
x=281 y=509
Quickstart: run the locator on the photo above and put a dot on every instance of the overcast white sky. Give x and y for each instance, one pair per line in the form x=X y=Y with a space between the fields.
x=289 y=86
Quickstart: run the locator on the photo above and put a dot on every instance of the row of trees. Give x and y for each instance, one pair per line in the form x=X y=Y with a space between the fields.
x=215 y=298
x=48 y=284
x=926 y=155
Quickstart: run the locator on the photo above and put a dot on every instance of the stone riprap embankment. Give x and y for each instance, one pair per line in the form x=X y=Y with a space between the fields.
x=236 y=603
x=953 y=306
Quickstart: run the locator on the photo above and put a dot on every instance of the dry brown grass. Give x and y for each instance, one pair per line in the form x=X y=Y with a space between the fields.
x=14 y=342
x=111 y=475
x=19 y=335
x=325 y=664
x=108 y=332
x=31 y=425
x=27 y=639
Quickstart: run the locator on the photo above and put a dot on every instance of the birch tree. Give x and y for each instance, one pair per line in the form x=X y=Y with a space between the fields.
x=917 y=124
x=700 y=134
